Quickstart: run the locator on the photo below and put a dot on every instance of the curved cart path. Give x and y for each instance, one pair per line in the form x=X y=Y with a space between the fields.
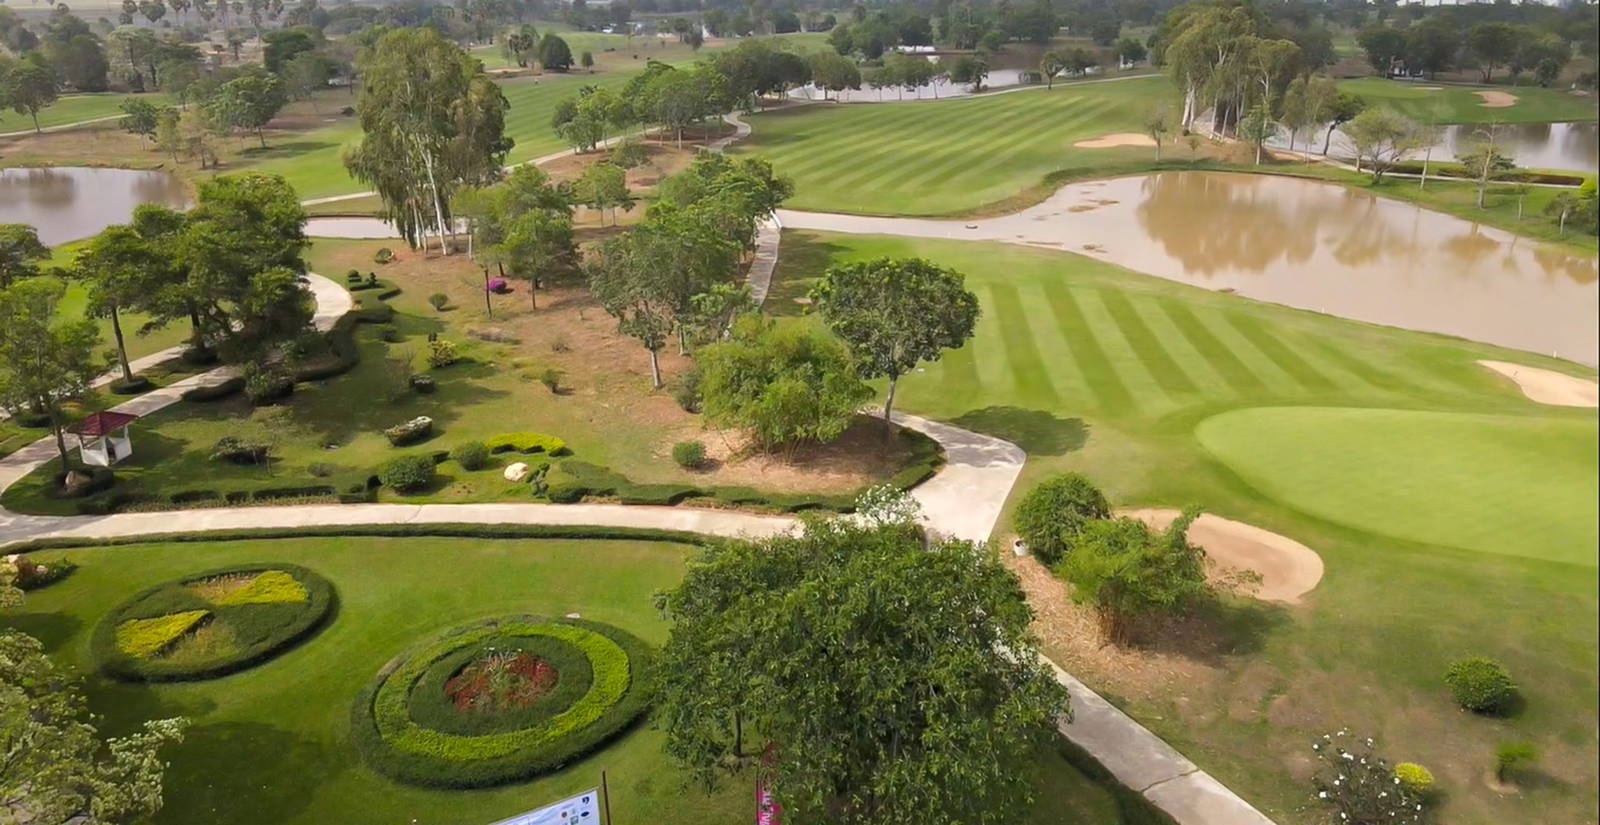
x=964 y=500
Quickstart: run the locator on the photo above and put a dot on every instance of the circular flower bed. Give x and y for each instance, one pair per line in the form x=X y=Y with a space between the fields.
x=502 y=700
x=212 y=624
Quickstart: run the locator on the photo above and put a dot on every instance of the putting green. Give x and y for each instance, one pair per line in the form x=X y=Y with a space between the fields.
x=1514 y=485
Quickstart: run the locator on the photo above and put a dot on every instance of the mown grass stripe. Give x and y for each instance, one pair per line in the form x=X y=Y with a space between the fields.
x=959 y=370
x=1026 y=134
x=954 y=141
x=1027 y=367
x=1279 y=353
x=1210 y=347
x=1166 y=370
x=1091 y=358
x=1359 y=367
x=960 y=155
x=866 y=141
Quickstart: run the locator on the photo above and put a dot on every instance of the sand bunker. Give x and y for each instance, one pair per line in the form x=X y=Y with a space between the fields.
x=1428 y=88
x=1548 y=386
x=1497 y=100
x=1288 y=569
x=1114 y=141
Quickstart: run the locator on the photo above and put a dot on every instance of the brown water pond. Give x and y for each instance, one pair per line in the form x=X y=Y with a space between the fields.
x=1307 y=244
x=70 y=202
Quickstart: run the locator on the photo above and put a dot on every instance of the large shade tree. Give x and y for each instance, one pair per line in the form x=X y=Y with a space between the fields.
x=122 y=272
x=934 y=698
x=432 y=122
x=895 y=314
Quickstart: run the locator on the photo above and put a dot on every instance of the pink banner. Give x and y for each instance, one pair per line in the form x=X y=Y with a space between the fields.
x=768 y=811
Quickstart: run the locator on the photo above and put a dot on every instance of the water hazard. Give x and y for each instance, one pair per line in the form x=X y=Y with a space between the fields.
x=1307 y=244
x=68 y=203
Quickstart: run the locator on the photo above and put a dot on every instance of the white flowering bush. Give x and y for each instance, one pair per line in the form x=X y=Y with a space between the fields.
x=1359 y=787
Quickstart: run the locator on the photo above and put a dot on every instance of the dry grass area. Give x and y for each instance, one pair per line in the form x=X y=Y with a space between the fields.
x=606 y=407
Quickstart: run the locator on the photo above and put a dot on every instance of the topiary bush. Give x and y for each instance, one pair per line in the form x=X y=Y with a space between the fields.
x=1051 y=514
x=1481 y=685
x=689 y=454
x=1414 y=778
x=212 y=624
x=442 y=354
x=383 y=255
x=418 y=723
x=472 y=455
x=526 y=442
x=407 y=473
x=439 y=301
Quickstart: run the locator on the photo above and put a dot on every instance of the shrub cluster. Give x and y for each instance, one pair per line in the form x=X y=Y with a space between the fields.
x=1414 y=778
x=472 y=455
x=139 y=640
x=1480 y=685
x=442 y=353
x=570 y=481
x=407 y=473
x=689 y=454
x=388 y=726
x=1051 y=515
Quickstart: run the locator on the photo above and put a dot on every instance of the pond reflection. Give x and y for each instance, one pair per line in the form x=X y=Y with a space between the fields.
x=69 y=203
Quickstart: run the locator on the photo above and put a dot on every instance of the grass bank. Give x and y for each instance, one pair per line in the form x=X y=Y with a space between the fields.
x=1444 y=504
x=1456 y=103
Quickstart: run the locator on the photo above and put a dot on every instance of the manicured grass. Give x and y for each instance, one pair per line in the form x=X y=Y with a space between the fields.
x=1524 y=486
x=1094 y=369
x=1460 y=104
x=270 y=746
x=75 y=108
x=951 y=156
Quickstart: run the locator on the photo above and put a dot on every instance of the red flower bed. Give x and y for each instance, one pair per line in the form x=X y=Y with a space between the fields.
x=500 y=682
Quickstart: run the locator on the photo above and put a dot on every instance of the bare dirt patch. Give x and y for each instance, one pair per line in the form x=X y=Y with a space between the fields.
x=1116 y=140
x=1288 y=569
x=1548 y=386
x=1496 y=99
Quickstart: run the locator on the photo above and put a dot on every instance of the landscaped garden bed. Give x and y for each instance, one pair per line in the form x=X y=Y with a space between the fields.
x=212 y=624
x=501 y=700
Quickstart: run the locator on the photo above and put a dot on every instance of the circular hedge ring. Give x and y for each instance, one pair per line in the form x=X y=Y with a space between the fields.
x=501 y=700
x=212 y=624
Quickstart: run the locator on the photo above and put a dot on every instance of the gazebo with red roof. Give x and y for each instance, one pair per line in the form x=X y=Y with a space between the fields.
x=103 y=437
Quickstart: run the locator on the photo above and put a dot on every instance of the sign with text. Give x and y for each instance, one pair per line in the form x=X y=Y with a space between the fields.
x=583 y=809
x=768 y=811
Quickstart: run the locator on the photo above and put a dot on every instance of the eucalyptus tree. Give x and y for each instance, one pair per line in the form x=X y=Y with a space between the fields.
x=432 y=122
x=122 y=272
x=1382 y=139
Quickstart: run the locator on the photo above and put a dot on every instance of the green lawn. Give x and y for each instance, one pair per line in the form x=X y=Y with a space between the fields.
x=1455 y=517
x=951 y=156
x=1459 y=104
x=270 y=745
x=75 y=108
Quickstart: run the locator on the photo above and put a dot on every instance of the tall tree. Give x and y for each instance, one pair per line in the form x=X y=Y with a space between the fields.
x=935 y=697
x=28 y=88
x=122 y=272
x=431 y=122
x=250 y=101
x=44 y=362
x=20 y=252
x=623 y=278
x=1382 y=139
x=242 y=246
x=1493 y=45
x=1484 y=160
x=896 y=313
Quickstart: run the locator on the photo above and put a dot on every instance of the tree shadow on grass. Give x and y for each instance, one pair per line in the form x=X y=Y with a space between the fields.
x=804 y=258
x=244 y=772
x=51 y=629
x=1037 y=432
x=1213 y=629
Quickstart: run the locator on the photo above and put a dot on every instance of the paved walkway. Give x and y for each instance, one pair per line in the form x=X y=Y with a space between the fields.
x=964 y=500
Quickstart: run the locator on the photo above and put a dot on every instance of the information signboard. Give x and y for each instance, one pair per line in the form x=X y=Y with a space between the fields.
x=583 y=809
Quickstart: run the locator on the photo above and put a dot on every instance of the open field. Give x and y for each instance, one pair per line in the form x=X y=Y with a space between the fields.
x=1378 y=448
x=75 y=108
x=288 y=720
x=950 y=156
x=1461 y=104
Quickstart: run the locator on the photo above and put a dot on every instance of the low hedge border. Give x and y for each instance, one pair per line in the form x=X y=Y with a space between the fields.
x=570 y=481
x=198 y=499
x=444 y=529
x=287 y=626
x=393 y=744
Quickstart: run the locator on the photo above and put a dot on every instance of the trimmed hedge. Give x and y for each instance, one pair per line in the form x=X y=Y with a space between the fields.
x=392 y=741
x=261 y=630
x=431 y=706
x=1481 y=685
x=215 y=392
x=448 y=530
x=526 y=442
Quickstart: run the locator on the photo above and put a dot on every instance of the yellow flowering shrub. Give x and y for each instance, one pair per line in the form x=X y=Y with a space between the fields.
x=144 y=638
x=269 y=587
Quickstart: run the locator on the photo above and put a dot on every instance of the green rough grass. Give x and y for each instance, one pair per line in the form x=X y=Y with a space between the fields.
x=1524 y=486
x=1458 y=104
x=75 y=108
x=950 y=156
x=1095 y=369
x=271 y=746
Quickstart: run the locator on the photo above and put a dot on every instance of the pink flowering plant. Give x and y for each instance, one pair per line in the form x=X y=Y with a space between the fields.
x=1360 y=787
